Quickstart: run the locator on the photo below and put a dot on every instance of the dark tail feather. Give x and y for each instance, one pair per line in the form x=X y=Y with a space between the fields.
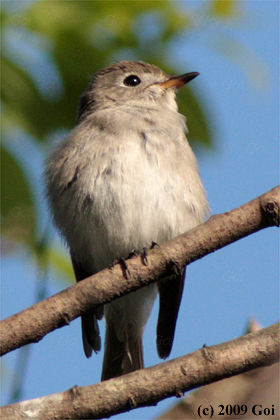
x=170 y=295
x=121 y=357
x=90 y=333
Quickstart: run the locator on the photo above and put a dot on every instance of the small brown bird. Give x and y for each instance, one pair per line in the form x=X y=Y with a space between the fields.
x=123 y=178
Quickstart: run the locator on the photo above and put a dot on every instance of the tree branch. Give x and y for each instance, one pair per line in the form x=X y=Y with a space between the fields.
x=148 y=386
x=32 y=324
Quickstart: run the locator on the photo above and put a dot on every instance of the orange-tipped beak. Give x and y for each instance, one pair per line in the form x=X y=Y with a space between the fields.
x=178 y=81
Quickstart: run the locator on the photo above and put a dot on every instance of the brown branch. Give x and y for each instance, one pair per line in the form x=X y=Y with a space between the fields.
x=148 y=386
x=32 y=324
x=258 y=386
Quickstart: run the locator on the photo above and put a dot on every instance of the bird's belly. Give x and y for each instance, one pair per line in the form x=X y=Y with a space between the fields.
x=130 y=313
x=128 y=197
x=123 y=216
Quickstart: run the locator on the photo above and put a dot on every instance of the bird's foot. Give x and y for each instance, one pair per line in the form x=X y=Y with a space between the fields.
x=154 y=245
x=133 y=253
x=124 y=267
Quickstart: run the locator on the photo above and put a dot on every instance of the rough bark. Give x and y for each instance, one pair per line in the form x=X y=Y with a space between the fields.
x=148 y=386
x=32 y=324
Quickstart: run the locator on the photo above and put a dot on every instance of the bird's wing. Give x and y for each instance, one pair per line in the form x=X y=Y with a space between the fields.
x=90 y=329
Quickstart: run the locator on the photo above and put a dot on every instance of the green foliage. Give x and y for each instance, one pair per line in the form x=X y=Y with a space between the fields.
x=82 y=38
x=59 y=263
x=224 y=8
x=18 y=210
x=72 y=41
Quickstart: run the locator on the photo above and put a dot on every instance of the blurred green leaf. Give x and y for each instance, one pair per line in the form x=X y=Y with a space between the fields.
x=80 y=38
x=197 y=123
x=224 y=8
x=60 y=263
x=17 y=206
x=22 y=102
x=256 y=69
x=76 y=46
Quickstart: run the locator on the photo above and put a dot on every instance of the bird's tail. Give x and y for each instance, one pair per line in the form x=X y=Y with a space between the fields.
x=121 y=357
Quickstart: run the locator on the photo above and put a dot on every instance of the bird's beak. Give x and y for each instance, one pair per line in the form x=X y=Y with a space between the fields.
x=178 y=81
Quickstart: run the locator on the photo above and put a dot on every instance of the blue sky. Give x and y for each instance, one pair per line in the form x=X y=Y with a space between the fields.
x=223 y=289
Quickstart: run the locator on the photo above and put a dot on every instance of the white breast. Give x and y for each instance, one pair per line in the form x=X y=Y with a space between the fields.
x=134 y=185
x=122 y=188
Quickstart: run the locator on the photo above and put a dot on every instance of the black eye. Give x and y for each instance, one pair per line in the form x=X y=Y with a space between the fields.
x=132 y=80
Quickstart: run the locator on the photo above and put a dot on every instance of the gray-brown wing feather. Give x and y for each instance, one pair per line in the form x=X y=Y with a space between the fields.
x=90 y=329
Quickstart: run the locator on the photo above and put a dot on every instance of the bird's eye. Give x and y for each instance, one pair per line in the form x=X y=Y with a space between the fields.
x=131 y=80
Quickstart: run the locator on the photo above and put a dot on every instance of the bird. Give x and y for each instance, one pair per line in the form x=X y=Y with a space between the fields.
x=124 y=178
